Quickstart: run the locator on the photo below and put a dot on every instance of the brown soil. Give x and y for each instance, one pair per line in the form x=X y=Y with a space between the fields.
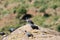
x=7 y=20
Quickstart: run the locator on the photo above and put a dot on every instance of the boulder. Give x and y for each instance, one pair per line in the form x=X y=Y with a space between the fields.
x=27 y=33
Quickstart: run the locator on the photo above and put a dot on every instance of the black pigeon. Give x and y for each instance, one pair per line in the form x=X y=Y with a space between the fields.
x=12 y=29
x=2 y=33
x=34 y=27
x=30 y=22
x=29 y=34
x=26 y=16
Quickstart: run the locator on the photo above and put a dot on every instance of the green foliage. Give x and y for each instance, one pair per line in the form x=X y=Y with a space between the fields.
x=43 y=8
x=44 y=4
x=3 y=13
x=51 y=22
x=39 y=3
x=21 y=11
x=46 y=15
x=54 y=6
x=6 y=28
x=39 y=20
x=58 y=28
x=56 y=18
x=42 y=21
x=22 y=22
x=46 y=25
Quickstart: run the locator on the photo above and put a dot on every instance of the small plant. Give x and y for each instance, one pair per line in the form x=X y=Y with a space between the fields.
x=58 y=28
x=4 y=12
x=21 y=11
x=14 y=10
x=37 y=4
x=7 y=28
x=38 y=20
x=42 y=10
x=46 y=15
x=54 y=6
x=6 y=4
x=30 y=0
x=56 y=18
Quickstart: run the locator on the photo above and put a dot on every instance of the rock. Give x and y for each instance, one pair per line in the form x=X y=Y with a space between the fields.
x=27 y=33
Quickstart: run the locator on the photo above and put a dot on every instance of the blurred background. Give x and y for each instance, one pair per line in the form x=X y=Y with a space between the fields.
x=45 y=13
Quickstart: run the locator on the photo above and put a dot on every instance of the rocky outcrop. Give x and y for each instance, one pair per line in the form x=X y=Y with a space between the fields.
x=23 y=33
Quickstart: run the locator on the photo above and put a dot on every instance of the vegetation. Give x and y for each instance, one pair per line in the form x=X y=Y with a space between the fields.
x=54 y=6
x=58 y=28
x=45 y=21
x=3 y=12
x=22 y=8
x=21 y=11
x=38 y=20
